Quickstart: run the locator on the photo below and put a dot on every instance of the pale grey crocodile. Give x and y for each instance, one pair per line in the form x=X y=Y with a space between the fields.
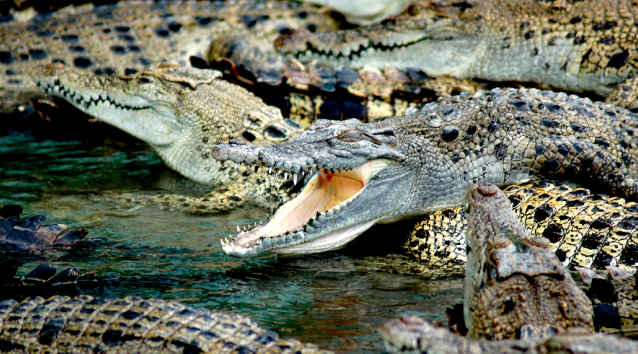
x=426 y=159
x=573 y=45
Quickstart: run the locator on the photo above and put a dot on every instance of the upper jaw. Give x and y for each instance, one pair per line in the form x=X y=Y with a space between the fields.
x=83 y=89
x=335 y=205
x=154 y=122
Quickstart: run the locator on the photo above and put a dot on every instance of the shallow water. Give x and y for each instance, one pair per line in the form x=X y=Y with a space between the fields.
x=336 y=300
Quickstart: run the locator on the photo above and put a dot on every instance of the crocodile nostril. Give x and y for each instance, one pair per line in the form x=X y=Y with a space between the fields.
x=249 y=136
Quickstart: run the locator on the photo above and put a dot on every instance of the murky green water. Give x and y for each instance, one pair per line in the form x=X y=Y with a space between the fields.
x=335 y=300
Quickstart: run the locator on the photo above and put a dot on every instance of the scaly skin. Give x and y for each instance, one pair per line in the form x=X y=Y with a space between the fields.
x=614 y=295
x=132 y=36
x=426 y=159
x=577 y=46
x=182 y=113
x=411 y=334
x=515 y=287
x=110 y=325
x=584 y=229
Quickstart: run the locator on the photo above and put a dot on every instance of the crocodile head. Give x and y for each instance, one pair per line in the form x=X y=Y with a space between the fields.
x=514 y=280
x=357 y=175
x=181 y=112
x=406 y=41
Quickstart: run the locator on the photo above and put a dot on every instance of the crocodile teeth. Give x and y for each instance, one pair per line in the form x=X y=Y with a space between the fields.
x=270 y=170
x=294 y=178
x=286 y=175
x=238 y=229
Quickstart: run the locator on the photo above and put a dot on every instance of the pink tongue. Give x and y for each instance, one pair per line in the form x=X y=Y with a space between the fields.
x=298 y=215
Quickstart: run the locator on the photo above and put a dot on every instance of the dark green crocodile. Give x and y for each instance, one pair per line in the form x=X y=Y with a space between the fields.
x=578 y=46
x=85 y=324
x=515 y=289
x=424 y=161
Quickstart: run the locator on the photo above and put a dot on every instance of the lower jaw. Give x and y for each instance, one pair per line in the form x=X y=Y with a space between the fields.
x=328 y=242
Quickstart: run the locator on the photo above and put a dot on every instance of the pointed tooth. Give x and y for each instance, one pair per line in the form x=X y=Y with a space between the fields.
x=236 y=165
x=270 y=170
x=222 y=242
x=286 y=175
x=238 y=229
x=294 y=178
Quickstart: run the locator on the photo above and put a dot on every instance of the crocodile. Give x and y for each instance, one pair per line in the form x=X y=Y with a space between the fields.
x=515 y=287
x=585 y=230
x=29 y=233
x=182 y=113
x=579 y=46
x=517 y=294
x=85 y=324
x=132 y=36
x=424 y=160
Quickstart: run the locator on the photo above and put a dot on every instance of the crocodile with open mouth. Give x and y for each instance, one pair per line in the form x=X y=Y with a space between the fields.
x=424 y=161
x=580 y=46
x=182 y=112
x=517 y=294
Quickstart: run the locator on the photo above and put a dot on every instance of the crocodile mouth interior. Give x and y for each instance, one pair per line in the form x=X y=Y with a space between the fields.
x=324 y=195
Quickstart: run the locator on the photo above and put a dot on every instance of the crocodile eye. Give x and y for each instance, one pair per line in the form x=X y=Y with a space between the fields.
x=415 y=10
x=275 y=133
x=349 y=138
x=145 y=79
